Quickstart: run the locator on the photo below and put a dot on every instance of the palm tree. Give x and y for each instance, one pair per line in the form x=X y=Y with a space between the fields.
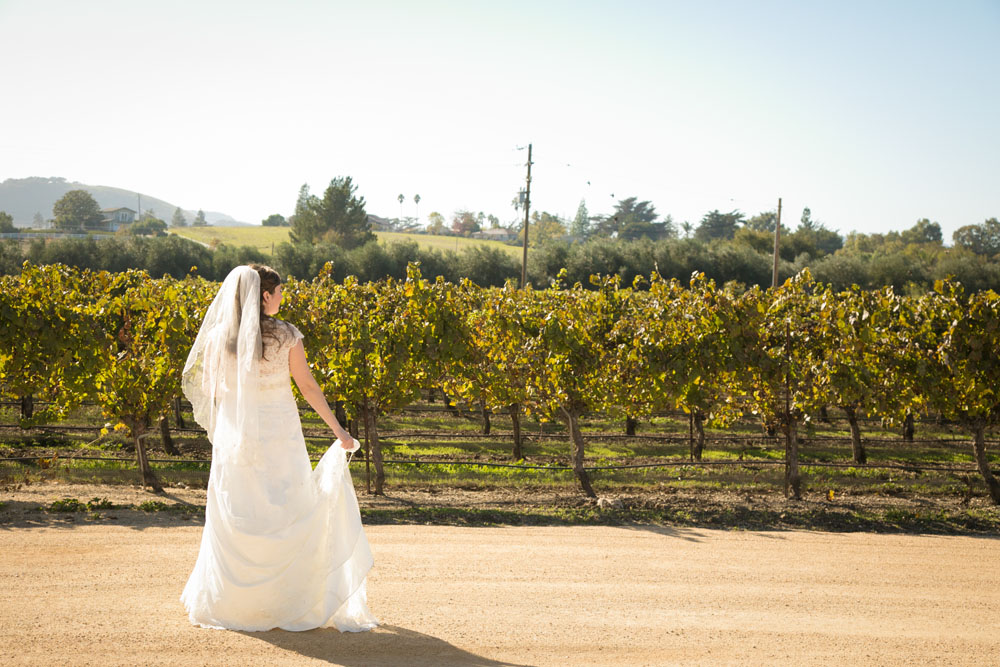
x=416 y=200
x=401 y=199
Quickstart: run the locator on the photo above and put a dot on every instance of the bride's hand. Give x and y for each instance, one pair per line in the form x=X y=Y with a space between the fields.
x=349 y=444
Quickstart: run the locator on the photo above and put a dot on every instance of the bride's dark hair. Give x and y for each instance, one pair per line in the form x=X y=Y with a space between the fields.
x=269 y=279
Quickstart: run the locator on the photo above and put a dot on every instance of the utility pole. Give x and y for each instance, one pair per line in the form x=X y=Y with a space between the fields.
x=777 y=239
x=527 y=208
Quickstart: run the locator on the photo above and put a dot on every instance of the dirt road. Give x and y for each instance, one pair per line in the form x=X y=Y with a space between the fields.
x=85 y=594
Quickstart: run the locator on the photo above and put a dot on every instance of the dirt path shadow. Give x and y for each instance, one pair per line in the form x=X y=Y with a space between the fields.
x=388 y=645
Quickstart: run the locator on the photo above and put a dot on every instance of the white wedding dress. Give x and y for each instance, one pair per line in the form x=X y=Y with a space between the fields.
x=283 y=546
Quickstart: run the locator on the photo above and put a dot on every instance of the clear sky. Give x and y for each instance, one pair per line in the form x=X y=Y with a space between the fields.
x=872 y=113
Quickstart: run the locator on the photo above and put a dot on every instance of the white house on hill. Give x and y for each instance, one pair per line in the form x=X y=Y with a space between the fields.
x=496 y=234
x=114 y=218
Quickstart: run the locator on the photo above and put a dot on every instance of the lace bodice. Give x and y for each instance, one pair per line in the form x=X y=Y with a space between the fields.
x=278 y=338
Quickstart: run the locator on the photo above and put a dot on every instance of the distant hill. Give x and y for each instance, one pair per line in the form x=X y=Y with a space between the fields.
x=24 y=197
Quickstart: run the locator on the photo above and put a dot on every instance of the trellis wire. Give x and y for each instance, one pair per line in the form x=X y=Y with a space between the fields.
x=489 y=464
x=474 y=413
x=500 y=435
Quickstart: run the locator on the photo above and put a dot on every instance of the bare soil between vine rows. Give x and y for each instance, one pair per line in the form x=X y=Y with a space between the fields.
x=30 y=505
x=82 y=589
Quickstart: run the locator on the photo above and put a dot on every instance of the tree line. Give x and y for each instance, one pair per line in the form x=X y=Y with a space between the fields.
x=719 y=353
x=631 y=241
x=908 y=266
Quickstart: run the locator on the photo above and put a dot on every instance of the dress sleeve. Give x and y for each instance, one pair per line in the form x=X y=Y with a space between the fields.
x=296 y=335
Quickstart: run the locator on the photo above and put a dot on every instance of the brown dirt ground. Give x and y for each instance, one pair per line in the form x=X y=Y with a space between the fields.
x=82 y=591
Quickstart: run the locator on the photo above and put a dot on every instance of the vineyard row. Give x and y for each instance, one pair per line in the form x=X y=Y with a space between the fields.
x=718 y=354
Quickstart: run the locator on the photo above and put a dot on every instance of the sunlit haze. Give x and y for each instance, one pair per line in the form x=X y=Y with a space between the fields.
x=873 y=114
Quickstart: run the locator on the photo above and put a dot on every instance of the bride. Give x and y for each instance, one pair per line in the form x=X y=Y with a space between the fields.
x=283 y=545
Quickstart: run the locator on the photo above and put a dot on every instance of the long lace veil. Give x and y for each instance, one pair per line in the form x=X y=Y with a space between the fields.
x=220 y=375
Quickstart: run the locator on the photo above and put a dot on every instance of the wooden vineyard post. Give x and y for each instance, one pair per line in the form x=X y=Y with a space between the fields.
x=792 y=481
x=368 y=467
x=691 y=436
